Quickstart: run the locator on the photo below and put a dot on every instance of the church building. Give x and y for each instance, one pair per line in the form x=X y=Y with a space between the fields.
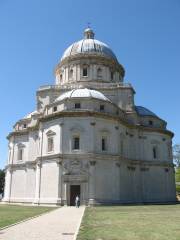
x=88 y=138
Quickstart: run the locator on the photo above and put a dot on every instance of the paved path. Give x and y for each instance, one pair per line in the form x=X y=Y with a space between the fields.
x=60 y=224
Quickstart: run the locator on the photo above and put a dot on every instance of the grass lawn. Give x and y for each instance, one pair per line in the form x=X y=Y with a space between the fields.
x=177 y=174
x=10 y=214
x=150 y=222
x=178 y=189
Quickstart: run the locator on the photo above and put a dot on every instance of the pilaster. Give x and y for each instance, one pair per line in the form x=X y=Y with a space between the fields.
x=92 y=182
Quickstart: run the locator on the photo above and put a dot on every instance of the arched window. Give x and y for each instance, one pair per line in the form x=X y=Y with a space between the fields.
x=154 y=152
x=9 y=156
x=77 y=132
x=104 y=140
x=121 y=147
x=169 y=149
x=99 y=73
x=76 y=143
x=104 y=143
x=50 y=144
x=85 y=71
x=55 y=109
x=50 y=141
x=150 y=122
x=20 y=154
x=112 y=75
x=71 y=74
x=77 y=105
x=61 y=77
x=101 y=108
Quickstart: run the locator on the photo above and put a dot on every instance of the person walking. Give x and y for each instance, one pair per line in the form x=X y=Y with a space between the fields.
x=77 y=201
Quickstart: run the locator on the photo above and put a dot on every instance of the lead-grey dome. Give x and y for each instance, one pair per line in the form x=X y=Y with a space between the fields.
x=144 y=111
x=89 y=45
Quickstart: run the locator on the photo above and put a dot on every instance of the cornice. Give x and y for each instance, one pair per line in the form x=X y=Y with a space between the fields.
x=87 y=113
x=88 y=156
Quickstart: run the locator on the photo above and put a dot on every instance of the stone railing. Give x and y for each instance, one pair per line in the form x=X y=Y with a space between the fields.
x=86 y=85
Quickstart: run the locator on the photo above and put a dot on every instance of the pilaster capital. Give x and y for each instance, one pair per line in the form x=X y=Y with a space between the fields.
x=92 y=163
x=59 y=161
x=41 y=128
x=118 y=164
x=39 y=163
x=10 y=169
x=61 y=124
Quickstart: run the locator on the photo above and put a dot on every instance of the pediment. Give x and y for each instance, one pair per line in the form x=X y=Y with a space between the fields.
x=20 y=145
x=76 y=128
x=50 y=133
x=154 y=141
x=104 y=130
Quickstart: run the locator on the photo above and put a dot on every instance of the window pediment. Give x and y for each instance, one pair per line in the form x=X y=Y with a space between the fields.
x=77 y=129
x=154 y=142
x=21 y=145
x=50 y=133
x=104 y=131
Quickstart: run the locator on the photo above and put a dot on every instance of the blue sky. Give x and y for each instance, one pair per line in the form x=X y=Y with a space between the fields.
x=144 y=35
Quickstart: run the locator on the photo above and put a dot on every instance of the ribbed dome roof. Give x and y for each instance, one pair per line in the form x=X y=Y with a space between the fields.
x=82 y=93
x=144 y=111
x=89 y=45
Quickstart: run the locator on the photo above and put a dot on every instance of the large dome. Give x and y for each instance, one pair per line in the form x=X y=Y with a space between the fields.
x=82 y=93
x=89 y=45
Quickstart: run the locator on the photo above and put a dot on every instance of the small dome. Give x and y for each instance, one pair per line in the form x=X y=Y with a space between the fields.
x=89 y=45
x=29 y=115
x=144 y=111
x=82 y=93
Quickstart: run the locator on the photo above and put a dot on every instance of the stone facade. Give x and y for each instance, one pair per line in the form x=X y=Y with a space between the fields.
x=88 y=138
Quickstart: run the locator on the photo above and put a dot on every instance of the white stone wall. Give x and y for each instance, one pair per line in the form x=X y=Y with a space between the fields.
x=49 y=182
x=30 y=184
x=18 y=187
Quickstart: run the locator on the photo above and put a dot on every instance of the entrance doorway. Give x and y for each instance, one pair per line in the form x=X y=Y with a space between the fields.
x=74 y=191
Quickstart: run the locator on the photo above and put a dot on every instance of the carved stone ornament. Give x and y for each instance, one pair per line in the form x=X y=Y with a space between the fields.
x=74 y=167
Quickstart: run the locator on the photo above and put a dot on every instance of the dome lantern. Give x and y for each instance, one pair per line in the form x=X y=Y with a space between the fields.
x=88 y=33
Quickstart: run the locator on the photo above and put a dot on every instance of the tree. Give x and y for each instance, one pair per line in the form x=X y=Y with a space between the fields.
x=176 y=154
x=2 y=180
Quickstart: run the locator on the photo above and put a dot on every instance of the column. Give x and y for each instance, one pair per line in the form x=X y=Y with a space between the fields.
x=92 y=182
